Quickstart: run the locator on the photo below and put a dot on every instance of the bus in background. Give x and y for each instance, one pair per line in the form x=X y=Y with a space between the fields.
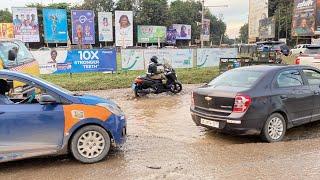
x=15 y=56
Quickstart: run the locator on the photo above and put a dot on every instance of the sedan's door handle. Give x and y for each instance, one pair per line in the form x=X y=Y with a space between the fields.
x=284 y=97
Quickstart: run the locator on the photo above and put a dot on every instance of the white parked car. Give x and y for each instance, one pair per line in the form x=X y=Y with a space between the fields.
x=310 y=57
x=299 y=49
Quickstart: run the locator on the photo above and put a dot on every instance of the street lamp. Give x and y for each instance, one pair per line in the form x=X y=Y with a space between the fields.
x=202 y=17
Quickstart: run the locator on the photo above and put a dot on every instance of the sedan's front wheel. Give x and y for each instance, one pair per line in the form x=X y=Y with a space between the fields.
x=274 y=128
x=90 y=144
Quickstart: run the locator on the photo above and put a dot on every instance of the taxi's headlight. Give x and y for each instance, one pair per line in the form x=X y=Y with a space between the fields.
x=114 y=109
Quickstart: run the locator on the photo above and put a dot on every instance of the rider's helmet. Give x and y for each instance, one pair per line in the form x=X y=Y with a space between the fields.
x=154 y=59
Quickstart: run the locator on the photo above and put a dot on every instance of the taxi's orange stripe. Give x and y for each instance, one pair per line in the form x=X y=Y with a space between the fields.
x=77 y=112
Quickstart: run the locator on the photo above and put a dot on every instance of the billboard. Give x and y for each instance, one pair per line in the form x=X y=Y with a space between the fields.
x=258 y=9
x=55 y=25
x=183 y=31
x=76 y=61
x=124 y=28
x=303 y=21
x=267 y=28
x=132 y=59
x=205 y=33
x=105 y=26
x=25 y=22
x=171 y=36
x=210 y=57
x=82 y=27
x=151 y=34
x=6 y=30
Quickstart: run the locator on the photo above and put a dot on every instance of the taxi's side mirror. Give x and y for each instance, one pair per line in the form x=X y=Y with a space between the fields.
x=12 y=55
x=47 y=99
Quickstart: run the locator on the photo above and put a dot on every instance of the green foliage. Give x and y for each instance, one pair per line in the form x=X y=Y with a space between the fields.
x=5 y=16
x=100 y=81
x=152 y=12
x=244 y=33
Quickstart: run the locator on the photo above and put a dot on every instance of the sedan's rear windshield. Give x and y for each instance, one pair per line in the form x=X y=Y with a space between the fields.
x=237 y=78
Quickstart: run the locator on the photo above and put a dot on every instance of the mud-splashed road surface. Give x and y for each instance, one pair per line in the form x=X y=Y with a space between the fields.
x=164 y=143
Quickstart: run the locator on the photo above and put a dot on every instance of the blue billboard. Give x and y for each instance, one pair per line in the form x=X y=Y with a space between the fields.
x=77 y=61
x=55 y=25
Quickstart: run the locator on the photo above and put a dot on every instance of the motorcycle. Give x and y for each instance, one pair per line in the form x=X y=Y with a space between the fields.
x=144 y=85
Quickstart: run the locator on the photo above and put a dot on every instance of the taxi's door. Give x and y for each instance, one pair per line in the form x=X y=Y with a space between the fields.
x=30 y=129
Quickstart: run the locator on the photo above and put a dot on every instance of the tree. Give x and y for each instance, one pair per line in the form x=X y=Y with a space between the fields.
x=244 y=33
x=153 y=12
x=217 y=28
x=98 y=5
x=5 y=16
x=127 y=5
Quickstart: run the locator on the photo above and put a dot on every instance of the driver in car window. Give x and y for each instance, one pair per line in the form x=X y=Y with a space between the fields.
x=4 y=88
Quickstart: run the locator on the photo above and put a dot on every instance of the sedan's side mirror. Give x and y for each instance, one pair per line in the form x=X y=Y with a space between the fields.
x=47 y=99
x=12 y=54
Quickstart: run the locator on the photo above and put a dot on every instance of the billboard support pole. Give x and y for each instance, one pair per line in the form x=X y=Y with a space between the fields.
x=202 y=17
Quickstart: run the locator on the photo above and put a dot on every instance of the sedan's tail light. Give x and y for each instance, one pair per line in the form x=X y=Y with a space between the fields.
x=297 y=61
x=241 y=103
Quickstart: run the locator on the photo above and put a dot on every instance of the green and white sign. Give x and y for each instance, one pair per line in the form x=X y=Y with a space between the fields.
x=151 y=34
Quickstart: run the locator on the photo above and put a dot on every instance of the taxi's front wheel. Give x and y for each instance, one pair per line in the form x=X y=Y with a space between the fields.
x=90 y=144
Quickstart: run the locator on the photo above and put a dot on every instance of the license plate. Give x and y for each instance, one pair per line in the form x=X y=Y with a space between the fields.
x=214 y=124
x=133 y=86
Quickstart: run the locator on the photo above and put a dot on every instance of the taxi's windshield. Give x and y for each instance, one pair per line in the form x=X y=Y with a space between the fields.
x=23 y=55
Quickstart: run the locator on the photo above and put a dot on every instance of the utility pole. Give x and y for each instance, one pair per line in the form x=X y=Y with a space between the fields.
x=202 y=18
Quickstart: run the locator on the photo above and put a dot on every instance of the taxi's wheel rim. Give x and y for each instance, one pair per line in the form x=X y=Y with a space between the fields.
x=275 y=128
x=91 y=144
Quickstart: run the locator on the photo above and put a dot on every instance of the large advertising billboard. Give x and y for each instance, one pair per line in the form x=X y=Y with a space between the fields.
x=267 y=28
x=55 y=25
x=258 y=9
x=105 y=26
x=82 y=27
x=183 y=31
x=151 y=34
x=303 y=21
x=205 y=33
x=76 y=61
x=171 y=36
x=210 y=57
x=124 y=28
x=25 y=22
x=6 y=30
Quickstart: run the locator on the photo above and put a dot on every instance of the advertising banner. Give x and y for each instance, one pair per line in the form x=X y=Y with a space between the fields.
x=206 y=30
x=6 y=30
x=132 y=59
x=25 y=22
x=210 y=57
x=105 y=26
x=318 y=17
x=183 y=31
x=55 y=25
x=151 y=34
x=267 y=28
x=303 y=21
x=76 y=61
x=124 y=28
x=82 y=27
x=171 y=36
x=138 y=59
x=258 y=9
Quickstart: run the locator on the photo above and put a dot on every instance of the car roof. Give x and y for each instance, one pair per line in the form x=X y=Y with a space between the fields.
x=273 y=67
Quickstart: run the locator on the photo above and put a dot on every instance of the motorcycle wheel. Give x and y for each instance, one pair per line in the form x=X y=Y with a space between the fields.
x=176 y=88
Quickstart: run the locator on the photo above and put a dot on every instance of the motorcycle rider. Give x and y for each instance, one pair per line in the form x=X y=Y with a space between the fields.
x=153 y=71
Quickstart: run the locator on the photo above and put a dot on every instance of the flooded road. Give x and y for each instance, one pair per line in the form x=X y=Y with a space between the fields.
x=164 y=143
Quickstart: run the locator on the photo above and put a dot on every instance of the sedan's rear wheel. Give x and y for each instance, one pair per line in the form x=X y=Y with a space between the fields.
x=90 y=144
x=274 y=128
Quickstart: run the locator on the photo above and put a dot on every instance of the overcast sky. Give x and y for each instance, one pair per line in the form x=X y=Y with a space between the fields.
x=235 y=15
